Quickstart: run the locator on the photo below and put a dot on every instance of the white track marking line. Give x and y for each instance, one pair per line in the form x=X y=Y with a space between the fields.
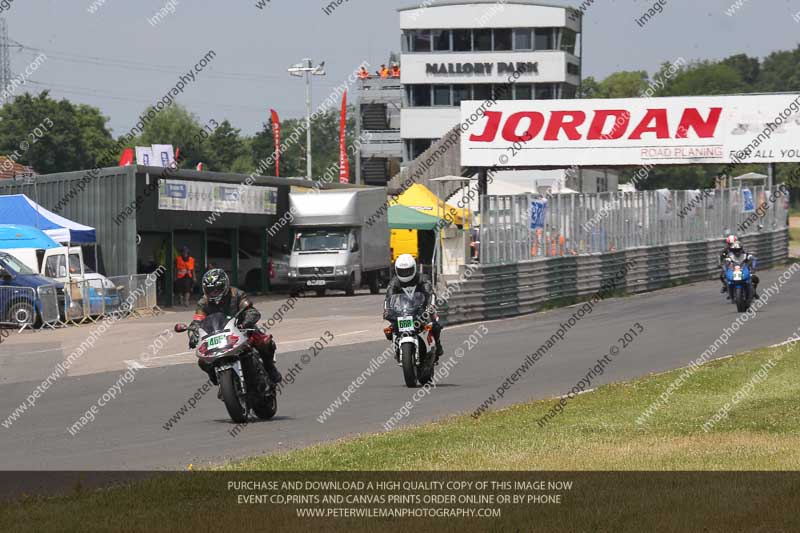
x=134 y=364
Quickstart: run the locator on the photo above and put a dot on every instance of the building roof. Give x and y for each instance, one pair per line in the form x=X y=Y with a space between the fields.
x=10 y=172
x=440 y=3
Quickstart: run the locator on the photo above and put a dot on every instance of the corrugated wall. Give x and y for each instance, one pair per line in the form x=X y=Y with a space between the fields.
x=96 y=205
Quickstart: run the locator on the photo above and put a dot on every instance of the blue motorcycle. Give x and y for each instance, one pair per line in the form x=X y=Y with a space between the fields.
x=740 y=285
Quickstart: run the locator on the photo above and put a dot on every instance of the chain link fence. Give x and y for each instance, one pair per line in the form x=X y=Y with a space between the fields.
x=522 y=227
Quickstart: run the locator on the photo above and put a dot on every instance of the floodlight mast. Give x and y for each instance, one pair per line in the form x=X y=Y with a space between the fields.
x=305 y=69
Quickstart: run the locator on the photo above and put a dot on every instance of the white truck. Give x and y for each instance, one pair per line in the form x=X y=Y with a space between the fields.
x=340 y=240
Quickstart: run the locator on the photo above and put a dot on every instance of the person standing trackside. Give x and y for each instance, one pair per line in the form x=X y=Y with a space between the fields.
x=185 y=275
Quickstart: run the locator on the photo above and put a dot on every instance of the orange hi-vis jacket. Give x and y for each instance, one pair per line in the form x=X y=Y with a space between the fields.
x=184 y=267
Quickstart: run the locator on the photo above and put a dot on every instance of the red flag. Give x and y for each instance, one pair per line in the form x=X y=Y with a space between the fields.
x=344 y=164
x=126 y=158
x=276 y=132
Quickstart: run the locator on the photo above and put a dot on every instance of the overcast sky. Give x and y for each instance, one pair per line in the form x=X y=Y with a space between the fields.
x=255 y=46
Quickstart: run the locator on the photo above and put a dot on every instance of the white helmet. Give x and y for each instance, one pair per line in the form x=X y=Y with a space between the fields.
x=405 y=267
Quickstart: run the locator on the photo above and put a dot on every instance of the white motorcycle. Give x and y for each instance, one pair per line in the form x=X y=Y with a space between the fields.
x=411 y=333
x=240 y=372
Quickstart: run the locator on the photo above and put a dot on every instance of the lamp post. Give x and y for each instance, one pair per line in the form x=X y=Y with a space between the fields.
x=300 y=70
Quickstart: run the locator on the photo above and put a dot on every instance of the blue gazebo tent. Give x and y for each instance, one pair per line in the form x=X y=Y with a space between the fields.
x=21 y=210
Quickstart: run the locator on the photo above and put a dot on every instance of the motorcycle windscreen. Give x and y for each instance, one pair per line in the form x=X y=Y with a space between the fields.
x=214 y=323
x=402 y=304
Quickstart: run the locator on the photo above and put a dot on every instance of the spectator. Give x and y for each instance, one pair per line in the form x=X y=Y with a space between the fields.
x=185 y=274
x=395 y=70
x=363 y=74
x=383 y=72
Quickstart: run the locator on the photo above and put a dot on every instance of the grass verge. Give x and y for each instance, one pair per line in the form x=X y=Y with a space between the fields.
x=598 y=431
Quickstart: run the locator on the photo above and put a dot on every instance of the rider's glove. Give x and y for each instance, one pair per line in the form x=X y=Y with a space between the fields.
x=193 y=341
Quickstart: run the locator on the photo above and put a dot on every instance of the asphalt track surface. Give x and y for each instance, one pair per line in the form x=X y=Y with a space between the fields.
x=128 y=433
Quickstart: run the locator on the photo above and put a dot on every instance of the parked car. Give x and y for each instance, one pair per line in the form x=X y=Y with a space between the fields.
x=19 y=306
x=219 y=255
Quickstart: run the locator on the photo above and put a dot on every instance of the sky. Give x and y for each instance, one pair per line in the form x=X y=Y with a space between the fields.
x=119 y=61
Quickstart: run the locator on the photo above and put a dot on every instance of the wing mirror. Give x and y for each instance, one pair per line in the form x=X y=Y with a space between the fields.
x=180 y=328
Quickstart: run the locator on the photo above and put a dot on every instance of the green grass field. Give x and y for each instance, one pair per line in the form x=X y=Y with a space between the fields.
x=597 y=431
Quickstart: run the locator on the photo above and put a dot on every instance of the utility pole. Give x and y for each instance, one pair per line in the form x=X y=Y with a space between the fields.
x=5 y=59
x=305 y=69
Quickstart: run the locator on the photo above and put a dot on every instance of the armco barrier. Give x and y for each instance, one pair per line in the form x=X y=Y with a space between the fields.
x=499 y=291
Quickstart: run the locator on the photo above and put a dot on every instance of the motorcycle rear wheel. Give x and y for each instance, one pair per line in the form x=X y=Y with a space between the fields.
x=234 y=403
x=409 y=365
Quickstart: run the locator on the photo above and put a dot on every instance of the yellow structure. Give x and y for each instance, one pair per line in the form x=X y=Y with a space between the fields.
x=422 y=199
x=405 y=241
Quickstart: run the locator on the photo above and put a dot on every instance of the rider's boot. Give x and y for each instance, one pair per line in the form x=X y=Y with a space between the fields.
x=272 y=371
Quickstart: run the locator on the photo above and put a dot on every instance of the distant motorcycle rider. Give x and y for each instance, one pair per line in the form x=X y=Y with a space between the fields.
x=220 y=297
x=723 y=256
x=741 y=257
x=405 y=276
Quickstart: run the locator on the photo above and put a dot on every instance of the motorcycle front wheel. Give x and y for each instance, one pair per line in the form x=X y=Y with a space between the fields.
x=266 y=407
x=409 y=365
x=739 y=298
x=235 y=402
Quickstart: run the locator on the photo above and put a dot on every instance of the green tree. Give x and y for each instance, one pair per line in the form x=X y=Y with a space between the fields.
x=180 y=128
x=706 y=77
x=78 y=138
x=224 y=146
x=625 y=84
x=780 y=72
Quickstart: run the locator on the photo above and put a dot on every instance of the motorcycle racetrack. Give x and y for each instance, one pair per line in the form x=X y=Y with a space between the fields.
x=154 y=413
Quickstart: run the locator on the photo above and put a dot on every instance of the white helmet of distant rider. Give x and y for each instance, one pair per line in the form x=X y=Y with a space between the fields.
x=405 y=267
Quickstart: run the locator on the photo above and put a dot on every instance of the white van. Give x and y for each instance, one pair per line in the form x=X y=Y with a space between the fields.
x=64 y=264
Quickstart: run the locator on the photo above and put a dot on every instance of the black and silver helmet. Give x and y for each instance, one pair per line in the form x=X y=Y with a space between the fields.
x=216 y=285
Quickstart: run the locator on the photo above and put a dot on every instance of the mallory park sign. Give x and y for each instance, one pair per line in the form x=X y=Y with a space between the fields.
x=487 y=69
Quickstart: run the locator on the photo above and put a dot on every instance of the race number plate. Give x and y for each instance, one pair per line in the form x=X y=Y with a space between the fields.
x=315 y=282
x=405 y=323
x=215 y=342
x=737 y=276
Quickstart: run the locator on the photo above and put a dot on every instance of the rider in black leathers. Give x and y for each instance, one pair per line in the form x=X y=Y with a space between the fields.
x=406 y=275
x=220 y=297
